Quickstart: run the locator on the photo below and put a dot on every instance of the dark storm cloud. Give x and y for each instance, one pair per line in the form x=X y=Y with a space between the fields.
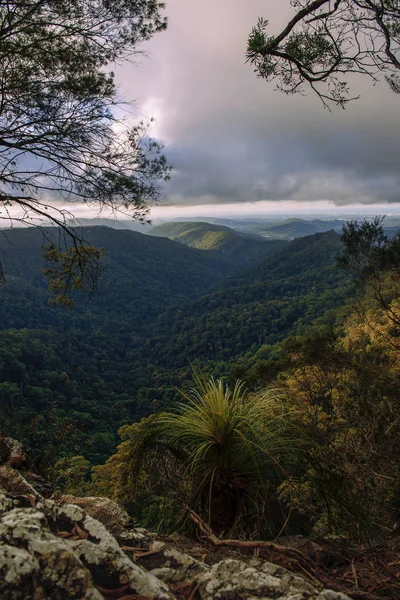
x=230 y=137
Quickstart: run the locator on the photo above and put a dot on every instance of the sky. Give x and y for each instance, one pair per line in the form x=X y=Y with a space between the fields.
x=238 y=146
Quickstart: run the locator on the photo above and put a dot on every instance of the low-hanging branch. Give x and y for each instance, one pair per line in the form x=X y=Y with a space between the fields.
x=60 y=139
x=326 y=41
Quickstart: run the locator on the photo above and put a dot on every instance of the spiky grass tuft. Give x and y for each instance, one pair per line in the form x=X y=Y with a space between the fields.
x=234 y=446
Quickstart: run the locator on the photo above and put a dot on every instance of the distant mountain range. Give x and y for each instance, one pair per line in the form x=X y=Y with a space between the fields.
x=288 y=229
x=295 y=228
x=115 y=224
x=141 y=275
x=155 y=289
x=202 y=232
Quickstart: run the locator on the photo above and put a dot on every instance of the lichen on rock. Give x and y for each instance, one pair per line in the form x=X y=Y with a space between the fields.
x=13 y=483
x=113 y=517
x=50 y=550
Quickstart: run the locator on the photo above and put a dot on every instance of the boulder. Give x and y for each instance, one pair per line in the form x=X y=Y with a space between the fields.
x=113 y=517
x=12 y=453
x=53 y=552
x=15 y=484
x=56 y=550
x=230 y=578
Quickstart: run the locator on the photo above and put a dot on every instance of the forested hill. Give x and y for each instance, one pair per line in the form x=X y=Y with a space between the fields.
x=159 y=307
x=245 y=248
x=290 y=288
x=288 y=229
x=141 y=276
x=294 y=228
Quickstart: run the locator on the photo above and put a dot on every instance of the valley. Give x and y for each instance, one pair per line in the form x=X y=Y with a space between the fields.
x=160 y=309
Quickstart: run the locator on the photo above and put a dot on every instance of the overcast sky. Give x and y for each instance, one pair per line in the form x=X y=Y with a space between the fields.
x=232 y=138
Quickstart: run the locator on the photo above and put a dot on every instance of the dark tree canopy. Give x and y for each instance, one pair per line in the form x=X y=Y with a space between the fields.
x=59 y=136
x=324 y=42
x=375 y=257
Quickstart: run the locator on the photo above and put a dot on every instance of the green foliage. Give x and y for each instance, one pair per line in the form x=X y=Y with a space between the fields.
x=365 y=247
x=245 y=248
x=75 y=269
x=231 y=454
x=121 y=356
x=235 y=448
x=287 y=291
x=326 y=40
x=312 y=49
x=344 y=383
x=71 y=475
x=57 y=104
x=376 y=260
x=47 y=435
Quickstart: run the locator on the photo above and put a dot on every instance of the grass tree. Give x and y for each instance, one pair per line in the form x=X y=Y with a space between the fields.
x=235 y=448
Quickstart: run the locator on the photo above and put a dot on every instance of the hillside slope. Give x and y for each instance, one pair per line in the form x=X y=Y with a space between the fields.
x=244 y=248
x=256 y=228
x=294 y=228
x=290 y=288
x=112 y=359
x=140 y=277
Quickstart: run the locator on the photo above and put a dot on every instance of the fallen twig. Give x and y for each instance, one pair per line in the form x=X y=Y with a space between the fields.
x=305 y=563
x=114 y=593
x=353 y=568
x=137 y=555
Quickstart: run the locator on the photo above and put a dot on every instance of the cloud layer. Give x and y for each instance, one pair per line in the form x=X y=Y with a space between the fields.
x=231 y=138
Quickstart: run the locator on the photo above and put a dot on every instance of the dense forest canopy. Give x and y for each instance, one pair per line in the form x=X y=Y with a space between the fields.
x=323 y=367
x=159 y=307
x=338 y=382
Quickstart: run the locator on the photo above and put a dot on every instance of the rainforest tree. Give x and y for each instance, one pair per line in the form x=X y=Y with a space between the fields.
x=375 y=257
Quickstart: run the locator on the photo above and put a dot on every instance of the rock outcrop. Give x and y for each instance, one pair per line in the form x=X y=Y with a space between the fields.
x=51 y=550
x=12 y=453
x=113 y=517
